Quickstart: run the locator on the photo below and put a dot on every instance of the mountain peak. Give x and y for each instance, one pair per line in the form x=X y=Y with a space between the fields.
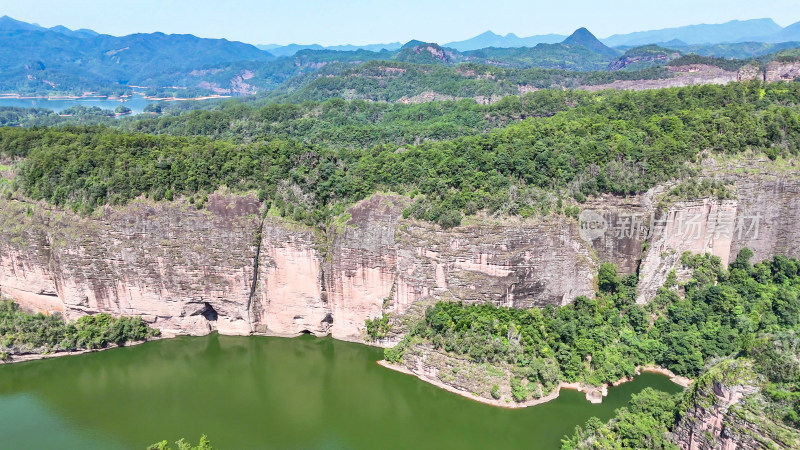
x=581 y=36
x=9 y=23
x=585 y=38
x=414 y=43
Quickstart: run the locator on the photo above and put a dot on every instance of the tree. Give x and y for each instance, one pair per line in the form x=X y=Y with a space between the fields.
x=182 y=444
x=607 y=278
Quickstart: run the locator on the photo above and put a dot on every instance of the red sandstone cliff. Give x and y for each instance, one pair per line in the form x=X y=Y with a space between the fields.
x=227 y=268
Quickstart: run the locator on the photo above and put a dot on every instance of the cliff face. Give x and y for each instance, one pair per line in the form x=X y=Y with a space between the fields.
x=173 y=265
x=782 y=71
x=227 y=268
x=377 y=262
x=190 y=272
x=724 y=411
x=517 y=265
x=699 y=74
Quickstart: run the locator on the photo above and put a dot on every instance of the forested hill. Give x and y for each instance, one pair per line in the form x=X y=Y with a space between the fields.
x=36 y=59
x=59 y=61
x=312 y=162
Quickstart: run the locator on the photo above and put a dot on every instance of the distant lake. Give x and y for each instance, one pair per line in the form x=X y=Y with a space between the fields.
x=136 y=103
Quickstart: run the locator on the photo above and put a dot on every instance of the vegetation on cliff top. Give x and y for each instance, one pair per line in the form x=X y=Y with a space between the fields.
x=745 y=313
x=716 y=313
x=22 y=333
x=722 y=63
x=615 y=142
x=760 y=358
x=767 y=375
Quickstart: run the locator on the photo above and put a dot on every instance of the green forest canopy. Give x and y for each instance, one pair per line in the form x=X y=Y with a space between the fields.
x=742 y=311
x=615 y=142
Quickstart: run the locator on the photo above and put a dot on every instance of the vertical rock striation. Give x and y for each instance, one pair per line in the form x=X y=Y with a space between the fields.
x=175 y=266
x=227 y=268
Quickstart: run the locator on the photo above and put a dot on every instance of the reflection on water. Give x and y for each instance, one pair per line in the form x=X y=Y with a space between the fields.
x=258 y=392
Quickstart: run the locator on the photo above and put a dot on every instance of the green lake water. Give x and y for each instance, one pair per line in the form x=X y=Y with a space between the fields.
x=260 y=392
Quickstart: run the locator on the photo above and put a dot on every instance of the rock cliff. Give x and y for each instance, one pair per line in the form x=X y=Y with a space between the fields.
x=699 y=74
x=723 y=411
x=229 y=268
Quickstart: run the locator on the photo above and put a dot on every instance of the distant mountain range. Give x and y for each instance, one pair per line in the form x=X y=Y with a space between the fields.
x=754 y=30
x=511 y=40
x=35 y=60
x=7 y=23
x=291 y=49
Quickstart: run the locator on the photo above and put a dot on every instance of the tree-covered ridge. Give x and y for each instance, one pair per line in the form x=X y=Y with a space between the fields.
x=543 y=56
x=398 y=81
x=767 y=372
x=358 y=123
x=718 y=312
x=722 y=63
x=615 y=142
x=21 y=332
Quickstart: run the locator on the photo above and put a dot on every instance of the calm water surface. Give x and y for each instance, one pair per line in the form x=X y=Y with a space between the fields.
x=136 y=103
x=260 y=392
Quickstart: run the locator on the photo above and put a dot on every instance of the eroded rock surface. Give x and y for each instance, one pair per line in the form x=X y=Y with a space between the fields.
x=228 y=268
x=725 y=412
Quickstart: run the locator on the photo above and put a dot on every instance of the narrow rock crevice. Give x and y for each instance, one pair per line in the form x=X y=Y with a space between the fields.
x=254 y=285
x=323 y=290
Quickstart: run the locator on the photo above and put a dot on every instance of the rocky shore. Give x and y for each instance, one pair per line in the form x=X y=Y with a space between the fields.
x=594 y=394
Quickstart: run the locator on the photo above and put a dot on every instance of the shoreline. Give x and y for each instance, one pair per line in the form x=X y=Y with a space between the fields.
x=594 y=394
x=119 y=98
x=181 y=99
x=677 y=379
x=38 y=356
x=488 y=401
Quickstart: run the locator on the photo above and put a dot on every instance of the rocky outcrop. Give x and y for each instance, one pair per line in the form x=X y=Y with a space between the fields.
x=699 y=74
x=782 y=71
x=190 y=271
x=763 y=217
x=287 y=296
x=691 y=75
x=363 y=264
x=177 y=267
x=655 y=58
x=230 y=269
x=705 y=226
x=724 y=412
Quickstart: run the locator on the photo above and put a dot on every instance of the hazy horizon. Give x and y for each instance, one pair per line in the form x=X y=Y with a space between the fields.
x=359 y=22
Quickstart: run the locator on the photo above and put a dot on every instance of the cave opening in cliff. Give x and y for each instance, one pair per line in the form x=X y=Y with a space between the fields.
x=306 y=332
x=209 y=313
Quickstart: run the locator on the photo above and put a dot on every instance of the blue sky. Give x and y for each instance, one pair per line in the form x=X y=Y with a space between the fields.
x=376 y=21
